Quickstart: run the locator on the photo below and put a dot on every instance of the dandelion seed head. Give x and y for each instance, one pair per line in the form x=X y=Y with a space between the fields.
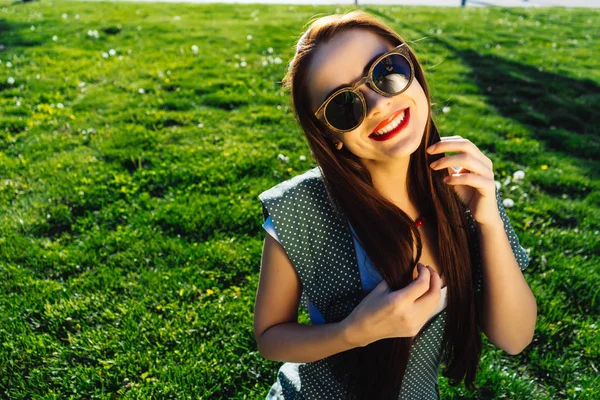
x=508 y=203
x=518 y=175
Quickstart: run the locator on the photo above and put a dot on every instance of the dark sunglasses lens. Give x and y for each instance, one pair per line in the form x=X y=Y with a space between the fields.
x=344 y=111
x=392 y=74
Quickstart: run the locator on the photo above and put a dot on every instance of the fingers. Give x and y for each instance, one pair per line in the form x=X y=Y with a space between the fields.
x=433 y=293
x=418 y=287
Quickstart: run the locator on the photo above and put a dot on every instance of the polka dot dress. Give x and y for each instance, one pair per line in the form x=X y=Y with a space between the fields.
x=318 y=240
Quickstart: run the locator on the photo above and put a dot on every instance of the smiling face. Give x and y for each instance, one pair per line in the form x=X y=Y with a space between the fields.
x=342 y=61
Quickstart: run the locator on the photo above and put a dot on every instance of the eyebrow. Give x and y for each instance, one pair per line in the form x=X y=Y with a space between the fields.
x=364 y=71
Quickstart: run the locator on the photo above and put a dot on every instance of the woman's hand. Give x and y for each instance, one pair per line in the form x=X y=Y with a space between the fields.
x=474 y=181
x=402 y=313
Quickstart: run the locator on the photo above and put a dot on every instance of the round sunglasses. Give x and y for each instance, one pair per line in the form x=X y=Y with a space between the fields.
x=389 y=75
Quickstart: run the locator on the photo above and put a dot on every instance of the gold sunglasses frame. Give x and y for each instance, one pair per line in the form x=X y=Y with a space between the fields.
x=400 y=50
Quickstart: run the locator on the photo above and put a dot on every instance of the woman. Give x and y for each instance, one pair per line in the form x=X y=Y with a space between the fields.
x=342 y=236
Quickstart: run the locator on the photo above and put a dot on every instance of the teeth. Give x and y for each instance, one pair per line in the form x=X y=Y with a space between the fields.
x=391 y=125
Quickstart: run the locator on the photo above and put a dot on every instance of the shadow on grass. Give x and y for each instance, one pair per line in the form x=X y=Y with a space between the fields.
x=558 y=109
x=11 y=37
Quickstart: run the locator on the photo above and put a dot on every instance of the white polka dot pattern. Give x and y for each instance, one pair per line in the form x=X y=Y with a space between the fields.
x=319 y=243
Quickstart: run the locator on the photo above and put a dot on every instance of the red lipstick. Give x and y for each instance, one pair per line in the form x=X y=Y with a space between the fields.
x=394 y=131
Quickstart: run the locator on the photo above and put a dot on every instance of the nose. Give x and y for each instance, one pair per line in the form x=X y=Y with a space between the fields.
x=378 y=106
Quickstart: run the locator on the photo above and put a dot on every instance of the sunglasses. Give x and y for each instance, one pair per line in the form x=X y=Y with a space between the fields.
x=389 y=75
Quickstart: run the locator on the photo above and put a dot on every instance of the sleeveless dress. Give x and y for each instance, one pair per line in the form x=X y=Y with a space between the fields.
x=368 y=275
x=319 y=243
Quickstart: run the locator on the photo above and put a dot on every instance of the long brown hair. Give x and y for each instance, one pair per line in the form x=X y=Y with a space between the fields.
x=386 y=233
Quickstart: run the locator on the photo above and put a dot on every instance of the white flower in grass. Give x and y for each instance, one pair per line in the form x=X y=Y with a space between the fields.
x=141 y=91
x=18 y=103
x=283 y=158
x=37 y=76
x=65 y=16
x=105 y=54
x=55 y=38
x=32 y=28
x=60 y=105
x=10 y=80
x=518 y=175
x=498 y=185
x=506 y=181
x=249 y=37
x=8 y=64
x=508 y=203
x=200 y=125
x=277 y=60
x=265 y=63
x=81 y=84
x=112 y=52
x=243 y=64
x=76 y=16
x=302 y=158
x=270 y=50
x=446 y=110
x=195 y=49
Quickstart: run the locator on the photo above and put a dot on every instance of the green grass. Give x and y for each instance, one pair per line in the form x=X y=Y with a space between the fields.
x=130 y=225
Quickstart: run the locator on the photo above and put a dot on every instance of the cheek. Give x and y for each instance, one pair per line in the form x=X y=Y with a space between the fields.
x=421 y=102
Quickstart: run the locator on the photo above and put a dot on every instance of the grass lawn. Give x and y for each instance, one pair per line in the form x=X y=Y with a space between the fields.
x=135 y=139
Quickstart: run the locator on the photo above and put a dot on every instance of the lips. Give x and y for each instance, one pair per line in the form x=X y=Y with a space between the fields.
x=386 y=121
x=394 y=132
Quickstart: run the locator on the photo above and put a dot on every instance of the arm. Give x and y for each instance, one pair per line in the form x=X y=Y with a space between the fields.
x=299 y=343
x=508 y=307
x=278 y=334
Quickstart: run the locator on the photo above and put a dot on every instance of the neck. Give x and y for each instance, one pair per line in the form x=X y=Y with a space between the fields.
x=389 y=179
